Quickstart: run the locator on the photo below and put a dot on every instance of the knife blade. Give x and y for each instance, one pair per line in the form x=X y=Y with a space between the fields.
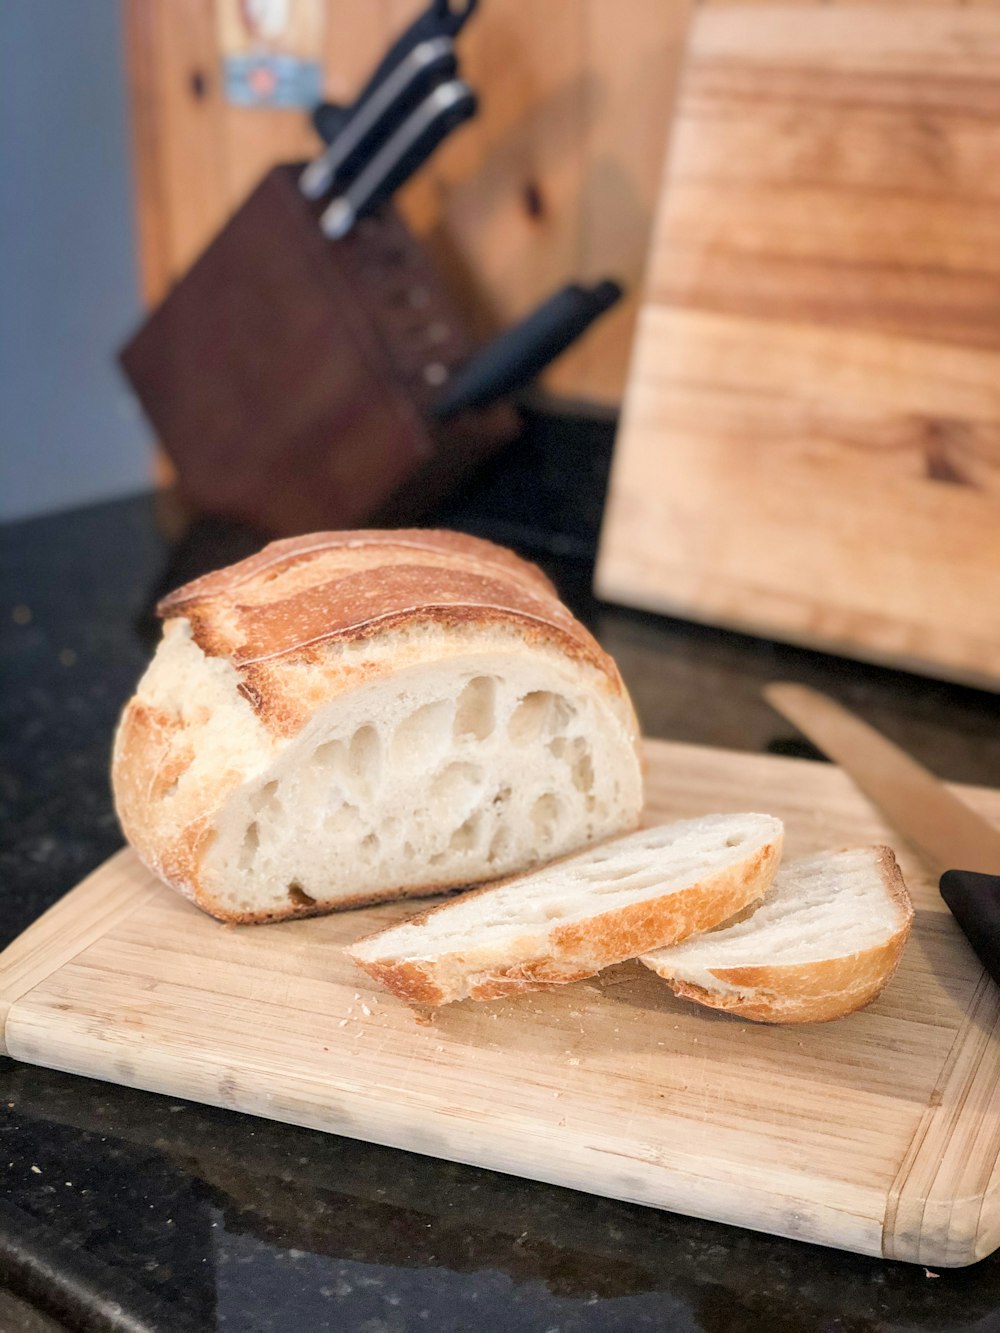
x=367 y=126
x=519 y=353
x=961 y=844
x=448 y=106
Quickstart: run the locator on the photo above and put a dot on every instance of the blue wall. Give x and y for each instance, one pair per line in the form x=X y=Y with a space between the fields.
x=69 y=431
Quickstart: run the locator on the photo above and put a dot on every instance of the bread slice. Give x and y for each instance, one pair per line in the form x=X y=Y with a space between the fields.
x=351 y=717
x=573 y=918
x=825 y=941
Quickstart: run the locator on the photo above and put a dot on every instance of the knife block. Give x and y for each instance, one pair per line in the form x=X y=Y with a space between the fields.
x=291 y=378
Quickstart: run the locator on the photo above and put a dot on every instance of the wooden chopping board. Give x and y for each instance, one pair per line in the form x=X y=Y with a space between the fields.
x=810 y=445
x=878 y=1133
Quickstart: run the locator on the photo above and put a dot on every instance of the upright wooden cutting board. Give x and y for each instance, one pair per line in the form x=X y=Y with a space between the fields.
x=878 y=1133
x=810 y=446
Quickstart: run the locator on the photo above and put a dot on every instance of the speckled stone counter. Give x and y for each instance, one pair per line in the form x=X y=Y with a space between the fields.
x=121 y=1210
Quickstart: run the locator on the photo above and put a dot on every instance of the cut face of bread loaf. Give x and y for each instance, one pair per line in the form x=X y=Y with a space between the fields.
x=352 y=717
x=825 y=941
x=571 y=919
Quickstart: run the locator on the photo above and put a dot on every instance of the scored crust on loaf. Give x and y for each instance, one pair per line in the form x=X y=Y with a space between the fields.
x=570 y=920
x=351 y=717
x=825 y=942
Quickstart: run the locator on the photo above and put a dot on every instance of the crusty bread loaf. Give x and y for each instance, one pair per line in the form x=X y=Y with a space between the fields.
x=825 y=941
x=569 y=920
x=356 y=716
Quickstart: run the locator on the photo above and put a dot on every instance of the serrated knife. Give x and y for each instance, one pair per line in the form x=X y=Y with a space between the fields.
x=963 y=846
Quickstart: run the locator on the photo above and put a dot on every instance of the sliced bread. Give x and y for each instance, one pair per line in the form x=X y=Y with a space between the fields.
x=825 y=941
x=581 y=914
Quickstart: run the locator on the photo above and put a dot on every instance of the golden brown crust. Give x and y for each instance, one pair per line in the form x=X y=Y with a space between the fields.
x=281 y=555
x=810 y=992
x=284 y=606
x=807 y=993
x=575 y=950
x=892 y=878
x=151 y=754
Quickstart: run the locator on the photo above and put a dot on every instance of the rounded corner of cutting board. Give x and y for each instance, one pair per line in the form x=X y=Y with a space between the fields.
x=951 y=1233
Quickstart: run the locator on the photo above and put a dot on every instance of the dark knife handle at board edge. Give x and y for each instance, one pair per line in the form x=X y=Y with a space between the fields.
x=974 y=902
x=521 y=352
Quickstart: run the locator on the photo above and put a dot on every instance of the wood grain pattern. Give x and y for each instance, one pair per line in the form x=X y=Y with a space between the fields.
x=811 y=441
x=556 y=180
x=878 y=1133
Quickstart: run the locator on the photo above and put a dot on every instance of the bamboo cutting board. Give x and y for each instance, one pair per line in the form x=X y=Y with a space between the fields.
x=878 y=1133
x=810 y=446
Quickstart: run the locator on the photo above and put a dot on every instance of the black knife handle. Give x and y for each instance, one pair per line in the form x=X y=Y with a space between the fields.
x=329 y=118
x=974 y=900
x=365 y=129
x=521 y=352
x=448 y=106
x=441 y=18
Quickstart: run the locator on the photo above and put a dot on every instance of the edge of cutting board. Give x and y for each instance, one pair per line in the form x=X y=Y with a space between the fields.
x=65 y=929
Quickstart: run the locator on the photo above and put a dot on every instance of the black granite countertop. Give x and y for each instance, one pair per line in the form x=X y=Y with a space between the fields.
x=127 y=1211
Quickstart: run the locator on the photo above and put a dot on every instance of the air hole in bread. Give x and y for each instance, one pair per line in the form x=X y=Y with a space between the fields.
x=249 y=846
x=475 y=713
x=327 y=754
x=370 y=844
x=456 y=783
x=636 y=882
x=298 y=895
x=343 y=821
x=598 y=876
x=545 y=816
x=576 y=752
x=330 y=759
x=365 y=759
x=421 y=738
x=583 y=771
x=408 y=851
x=466 y=836
x=265 y=802
x=499 y=845
x=540 y=713
x=735 y=840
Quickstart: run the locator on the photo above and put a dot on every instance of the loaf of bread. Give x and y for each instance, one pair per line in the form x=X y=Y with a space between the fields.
x=571 y=919
x=825 y=942
x=351 y=717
